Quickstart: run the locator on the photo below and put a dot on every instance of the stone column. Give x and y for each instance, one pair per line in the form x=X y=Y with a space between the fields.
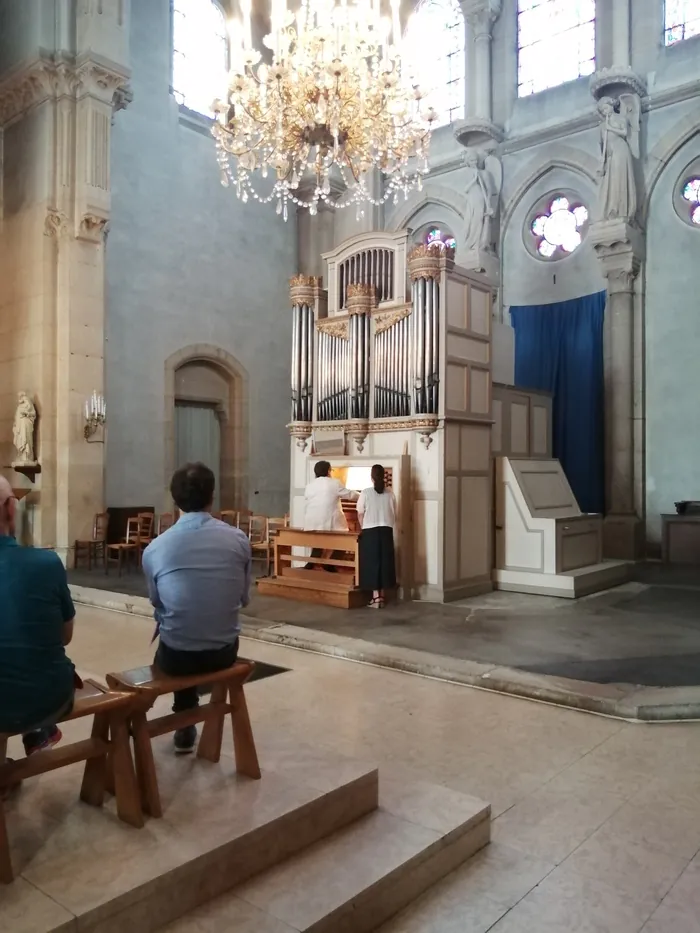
x=57 y=114
x=480 y=15
x=621 y=33
x=620 y=249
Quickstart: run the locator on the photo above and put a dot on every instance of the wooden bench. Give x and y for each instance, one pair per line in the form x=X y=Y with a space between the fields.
x=226 y=697
x=107 y=754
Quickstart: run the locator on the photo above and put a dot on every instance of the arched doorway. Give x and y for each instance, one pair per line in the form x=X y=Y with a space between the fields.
x=206 y=418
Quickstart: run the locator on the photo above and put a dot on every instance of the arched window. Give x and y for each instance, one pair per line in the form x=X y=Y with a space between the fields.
x=682 y=20
x=556 y=43
x=691 y=197
x=200 y=53
x=433 y=47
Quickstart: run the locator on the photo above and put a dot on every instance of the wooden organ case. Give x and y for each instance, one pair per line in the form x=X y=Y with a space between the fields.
x=394 y=357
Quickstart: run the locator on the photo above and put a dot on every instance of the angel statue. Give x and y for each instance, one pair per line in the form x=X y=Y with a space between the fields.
x=482 y=193
x=619 y=132
x=23 y=429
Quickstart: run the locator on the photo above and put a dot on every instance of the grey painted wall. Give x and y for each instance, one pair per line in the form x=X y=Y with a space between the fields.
x=187 y=263
x=672 y=347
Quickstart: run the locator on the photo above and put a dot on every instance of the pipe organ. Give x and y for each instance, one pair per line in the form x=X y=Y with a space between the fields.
x=368 y=349
x=392 y=360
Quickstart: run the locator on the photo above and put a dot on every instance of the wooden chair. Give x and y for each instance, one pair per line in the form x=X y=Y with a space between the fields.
x=124 y=549
x=230 y=517
x=94 y=549
x=107 y=757
x=243 y=520
x=226 y=697
x=259 y=535
x=274 y=525
x=145 y=521
x=165 y=520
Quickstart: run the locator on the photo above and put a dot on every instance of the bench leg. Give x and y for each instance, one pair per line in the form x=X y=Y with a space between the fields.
x=126 y=788
x=243 y=739
x=209 y=746
x=145 y=766
x=6 y=874
x=92 y=790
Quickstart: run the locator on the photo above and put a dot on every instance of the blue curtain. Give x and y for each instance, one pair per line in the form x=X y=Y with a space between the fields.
x=559 y=348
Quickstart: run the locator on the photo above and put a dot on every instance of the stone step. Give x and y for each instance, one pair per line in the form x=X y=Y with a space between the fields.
x=362 y=875
x=80 y=869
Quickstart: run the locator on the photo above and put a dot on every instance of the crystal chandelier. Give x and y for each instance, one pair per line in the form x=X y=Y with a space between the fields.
x=334 y=101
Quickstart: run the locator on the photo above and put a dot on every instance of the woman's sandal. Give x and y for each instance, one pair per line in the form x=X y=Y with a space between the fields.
x=376 y=603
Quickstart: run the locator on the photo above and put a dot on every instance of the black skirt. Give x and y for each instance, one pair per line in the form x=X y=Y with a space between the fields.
x=377 y=562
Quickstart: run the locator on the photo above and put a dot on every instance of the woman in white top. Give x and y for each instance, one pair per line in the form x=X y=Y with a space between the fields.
x=376 y=511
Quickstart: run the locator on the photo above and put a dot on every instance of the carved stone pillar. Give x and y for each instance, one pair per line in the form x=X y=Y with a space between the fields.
x=620 y=249
x=57 y=117
x=480 y=15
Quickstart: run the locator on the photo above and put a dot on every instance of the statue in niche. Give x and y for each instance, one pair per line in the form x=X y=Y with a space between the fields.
x=23 y=430
x=619 y=131
x=483 y=190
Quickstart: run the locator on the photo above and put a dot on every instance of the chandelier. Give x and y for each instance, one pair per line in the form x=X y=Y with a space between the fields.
x=333 y=101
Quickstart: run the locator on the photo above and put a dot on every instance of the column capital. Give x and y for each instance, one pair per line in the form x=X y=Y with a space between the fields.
x=303 y=289
x=481 y=15
x=41 y=80
x=621 y=251
x=427 y=261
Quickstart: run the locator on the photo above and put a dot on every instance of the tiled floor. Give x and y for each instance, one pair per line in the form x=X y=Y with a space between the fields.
x=597 y=822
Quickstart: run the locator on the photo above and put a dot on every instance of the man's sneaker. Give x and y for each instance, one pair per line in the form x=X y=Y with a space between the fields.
x=184 y=740
x=47 y=738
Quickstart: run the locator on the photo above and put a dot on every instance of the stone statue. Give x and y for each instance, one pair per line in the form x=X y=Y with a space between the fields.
x=23 y=429
x=483 y=190
x=619 y=130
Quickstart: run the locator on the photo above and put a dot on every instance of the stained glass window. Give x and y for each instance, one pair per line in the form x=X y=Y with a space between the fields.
x=682 y=20
x=200 y=53
x=691 y=194
x=558 y=230
x=556 y=43
x=442 y=237
x=433 y=48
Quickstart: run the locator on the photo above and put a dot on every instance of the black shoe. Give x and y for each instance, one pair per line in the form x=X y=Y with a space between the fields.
x=329 y=568
x=309 y=566
x=184 y=740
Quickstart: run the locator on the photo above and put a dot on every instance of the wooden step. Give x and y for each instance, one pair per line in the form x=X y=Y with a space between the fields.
x=309 y=591
x=356 y=879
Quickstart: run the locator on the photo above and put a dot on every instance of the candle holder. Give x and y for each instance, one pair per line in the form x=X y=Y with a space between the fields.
x=95 y=418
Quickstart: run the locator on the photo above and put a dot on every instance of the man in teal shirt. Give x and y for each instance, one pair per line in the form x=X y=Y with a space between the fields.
x=36 y=622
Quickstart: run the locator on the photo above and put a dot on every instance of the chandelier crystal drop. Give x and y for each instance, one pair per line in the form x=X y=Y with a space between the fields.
x=332 y=102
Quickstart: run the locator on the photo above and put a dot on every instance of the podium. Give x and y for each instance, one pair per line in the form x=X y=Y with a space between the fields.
x=544 y=543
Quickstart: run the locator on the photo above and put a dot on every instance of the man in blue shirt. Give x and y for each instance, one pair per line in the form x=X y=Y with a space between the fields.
x=36 y=622
x=198 y=574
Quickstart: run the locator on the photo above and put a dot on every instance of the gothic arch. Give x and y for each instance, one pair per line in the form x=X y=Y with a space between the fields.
x=450 y=208
x=662 y=153
x=234 y=424
x=567 y=159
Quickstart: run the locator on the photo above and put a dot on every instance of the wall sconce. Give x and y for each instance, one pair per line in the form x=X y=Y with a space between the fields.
x=95 y=417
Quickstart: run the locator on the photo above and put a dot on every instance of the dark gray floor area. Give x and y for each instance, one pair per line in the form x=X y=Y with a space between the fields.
x=646 y=632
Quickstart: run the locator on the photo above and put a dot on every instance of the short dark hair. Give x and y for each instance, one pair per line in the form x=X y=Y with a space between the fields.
x=192 y=487
x=322 y=468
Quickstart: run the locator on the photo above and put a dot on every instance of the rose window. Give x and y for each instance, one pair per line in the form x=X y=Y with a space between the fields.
x=559 y=230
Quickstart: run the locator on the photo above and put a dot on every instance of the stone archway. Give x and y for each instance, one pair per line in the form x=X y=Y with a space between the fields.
x=234 y=421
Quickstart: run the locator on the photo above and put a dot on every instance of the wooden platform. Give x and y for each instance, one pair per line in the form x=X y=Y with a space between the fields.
x=317 y=586
x=295 y=585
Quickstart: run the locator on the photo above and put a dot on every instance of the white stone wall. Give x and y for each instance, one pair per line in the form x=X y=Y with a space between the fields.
x=187 y=263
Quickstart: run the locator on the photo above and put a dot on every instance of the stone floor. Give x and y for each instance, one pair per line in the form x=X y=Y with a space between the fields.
x=597 y=822
x=646 y=632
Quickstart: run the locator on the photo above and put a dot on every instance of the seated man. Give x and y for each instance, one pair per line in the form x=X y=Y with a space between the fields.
x=37 y=680
x=198 y=574
x=323 y=509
